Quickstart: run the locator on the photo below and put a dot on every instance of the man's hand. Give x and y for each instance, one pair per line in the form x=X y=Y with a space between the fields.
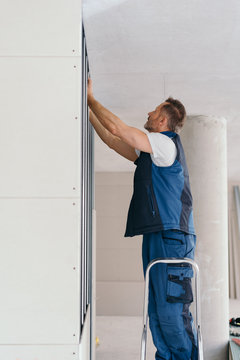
x=89 y=90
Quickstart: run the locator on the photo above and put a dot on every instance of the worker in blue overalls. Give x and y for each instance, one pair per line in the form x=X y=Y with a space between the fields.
x=161 y=210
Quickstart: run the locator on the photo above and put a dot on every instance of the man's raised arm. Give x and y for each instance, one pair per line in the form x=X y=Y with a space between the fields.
x=111 y=140
x=128 y=134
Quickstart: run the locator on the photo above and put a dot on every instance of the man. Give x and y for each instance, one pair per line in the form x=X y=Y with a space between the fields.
x=160 y=210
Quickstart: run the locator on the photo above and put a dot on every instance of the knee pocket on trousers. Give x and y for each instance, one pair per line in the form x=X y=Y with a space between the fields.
x=179 y=287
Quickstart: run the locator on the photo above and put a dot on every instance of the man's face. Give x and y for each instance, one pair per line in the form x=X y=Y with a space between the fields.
x=153 y=123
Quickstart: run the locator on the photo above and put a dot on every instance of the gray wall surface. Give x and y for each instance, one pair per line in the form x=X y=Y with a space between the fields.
x=120 y=281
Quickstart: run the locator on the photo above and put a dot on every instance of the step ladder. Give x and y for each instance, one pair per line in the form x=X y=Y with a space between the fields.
x=197 y=301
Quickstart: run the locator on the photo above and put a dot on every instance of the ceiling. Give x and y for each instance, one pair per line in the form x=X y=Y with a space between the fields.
x=142 y=51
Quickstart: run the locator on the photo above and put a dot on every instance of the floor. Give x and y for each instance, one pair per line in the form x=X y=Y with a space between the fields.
x=120 y=336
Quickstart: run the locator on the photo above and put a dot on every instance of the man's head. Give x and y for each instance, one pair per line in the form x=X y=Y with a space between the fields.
x=168 y=116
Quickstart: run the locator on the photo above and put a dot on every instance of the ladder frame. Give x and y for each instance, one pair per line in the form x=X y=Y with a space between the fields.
x=172 y=260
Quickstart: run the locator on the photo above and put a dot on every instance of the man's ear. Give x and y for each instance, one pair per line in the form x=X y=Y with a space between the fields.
x=164 y=120
x=161 y=119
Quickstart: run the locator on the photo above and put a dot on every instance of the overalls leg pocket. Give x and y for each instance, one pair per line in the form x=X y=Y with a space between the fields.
x=179 y=287
x=174 y=243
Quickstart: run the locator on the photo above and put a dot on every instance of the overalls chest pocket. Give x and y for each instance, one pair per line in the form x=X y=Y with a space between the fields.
x=179 y=287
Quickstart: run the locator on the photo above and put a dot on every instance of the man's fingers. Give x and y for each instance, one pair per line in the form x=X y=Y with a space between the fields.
x=90 y=84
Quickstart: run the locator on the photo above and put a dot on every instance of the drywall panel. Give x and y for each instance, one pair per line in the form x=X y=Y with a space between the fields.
x=39 y=352
x=40 y=127
x=39 y=271
x=40 y=28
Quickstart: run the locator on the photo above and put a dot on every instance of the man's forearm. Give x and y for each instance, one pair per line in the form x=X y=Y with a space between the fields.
x=110 y=121
x=103 y=133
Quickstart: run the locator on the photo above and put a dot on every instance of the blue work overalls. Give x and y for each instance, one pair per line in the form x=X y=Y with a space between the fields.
x=161 y=210
x=170 y=295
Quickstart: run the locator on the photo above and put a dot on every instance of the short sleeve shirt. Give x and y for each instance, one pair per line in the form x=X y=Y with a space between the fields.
x=164 y=150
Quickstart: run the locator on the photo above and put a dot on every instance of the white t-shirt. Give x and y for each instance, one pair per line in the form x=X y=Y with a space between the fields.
x=164 y=150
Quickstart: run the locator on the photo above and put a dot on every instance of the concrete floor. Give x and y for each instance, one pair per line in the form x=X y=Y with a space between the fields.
x=120 y=336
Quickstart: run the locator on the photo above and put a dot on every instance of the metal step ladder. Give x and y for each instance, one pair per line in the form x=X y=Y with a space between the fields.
x=197 y=301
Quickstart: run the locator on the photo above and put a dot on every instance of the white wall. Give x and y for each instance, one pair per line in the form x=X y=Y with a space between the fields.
x=40 y=112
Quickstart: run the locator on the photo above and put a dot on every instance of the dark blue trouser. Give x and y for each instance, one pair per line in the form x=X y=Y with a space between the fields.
x=170 y=295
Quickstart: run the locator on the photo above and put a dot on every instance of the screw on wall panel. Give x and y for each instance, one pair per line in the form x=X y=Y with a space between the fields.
x=74 y=188
x=73 y=353
x=76 y=117
x=74 y=335
x=74 y=204
x=75 y=66
x=74 y=268
x=73 y=50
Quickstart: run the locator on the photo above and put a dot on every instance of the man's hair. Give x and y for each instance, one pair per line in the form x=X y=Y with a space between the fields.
x=175 y=113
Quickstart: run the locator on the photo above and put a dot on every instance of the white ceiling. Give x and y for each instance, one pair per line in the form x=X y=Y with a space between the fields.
x=142 y=51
